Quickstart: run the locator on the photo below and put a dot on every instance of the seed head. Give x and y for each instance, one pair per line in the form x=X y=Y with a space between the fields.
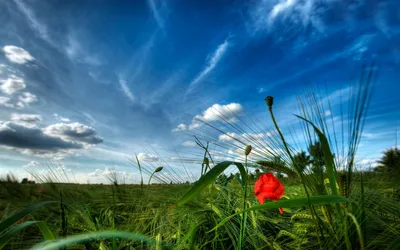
x=248 y=150
x=158 y=169
x=269 y=100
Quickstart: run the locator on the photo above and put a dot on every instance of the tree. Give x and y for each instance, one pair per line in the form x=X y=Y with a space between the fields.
x=390 y=161
x=302 y=160
x=317 y=157
x=277 y=165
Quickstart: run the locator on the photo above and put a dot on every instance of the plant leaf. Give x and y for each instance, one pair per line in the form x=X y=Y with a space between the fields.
x=46 y=231
x=19 y=215
x=314 y=200
x=328 y=157
x=209 y=178
x=83 y=238
x=9 y=234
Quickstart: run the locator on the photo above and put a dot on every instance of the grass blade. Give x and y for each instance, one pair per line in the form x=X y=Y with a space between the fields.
x=8 y=235
x=314 y=200
x=19 y=215
x=209 y=178
x=83 y=238
x=46 y=231
x=328 y=157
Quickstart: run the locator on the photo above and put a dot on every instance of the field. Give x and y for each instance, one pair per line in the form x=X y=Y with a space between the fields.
x=152 y=215
x=328 y=201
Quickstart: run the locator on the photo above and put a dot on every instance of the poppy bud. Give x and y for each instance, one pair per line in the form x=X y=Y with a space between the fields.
x=247 y=150
x=269 y=100
x=206 y=161
x=158 y=169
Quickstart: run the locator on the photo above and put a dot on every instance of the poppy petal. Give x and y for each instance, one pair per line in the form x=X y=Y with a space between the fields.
x=280 y=210
x=260 y=198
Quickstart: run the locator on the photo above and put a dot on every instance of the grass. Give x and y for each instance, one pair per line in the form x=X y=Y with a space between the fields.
x=329 y=204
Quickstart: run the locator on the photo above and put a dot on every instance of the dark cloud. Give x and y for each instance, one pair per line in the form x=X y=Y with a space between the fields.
x=23 y=137
x=55 y=141
x=76 y=132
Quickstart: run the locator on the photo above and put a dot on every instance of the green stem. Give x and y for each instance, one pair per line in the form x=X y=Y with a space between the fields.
x=244 y=217
x=313 y=213
x=151 y=177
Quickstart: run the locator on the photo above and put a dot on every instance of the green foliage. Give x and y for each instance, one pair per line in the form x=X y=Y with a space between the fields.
x=7 y=230
x=209 y=178
x=390 y=161
x=302 y=160
x=84 y=238
x=277 y=165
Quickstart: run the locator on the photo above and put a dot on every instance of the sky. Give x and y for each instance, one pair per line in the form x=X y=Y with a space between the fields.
x=86 y=85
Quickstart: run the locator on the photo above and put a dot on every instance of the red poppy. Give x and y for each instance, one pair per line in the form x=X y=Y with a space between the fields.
x=171 y=207
x=268 y=187
x=41 y=190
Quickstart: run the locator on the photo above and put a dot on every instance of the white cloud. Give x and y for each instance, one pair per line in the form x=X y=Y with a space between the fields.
x=25 y=118
x=63 y=119
x=244 y=137
x=32 y=164
x=19 y=105
x=281 y=7
x=328 y=113
x=296 y=15
x=194 y=125
x=212 y=62
x=75 y=132
x=219 y=112
x=228 y=137
x=63 y=169
x=251 y=136
x=109 y=174
x=12 y=84
x=147 y=157
x=27 y=98
x=60 y=118
x=17 y=55
x=5 y=102
x=189 y=144
x=126 y=90
x=180 y=127
x=97 y=172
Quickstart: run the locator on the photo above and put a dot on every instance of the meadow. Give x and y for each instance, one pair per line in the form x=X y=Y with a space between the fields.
x=329 y=202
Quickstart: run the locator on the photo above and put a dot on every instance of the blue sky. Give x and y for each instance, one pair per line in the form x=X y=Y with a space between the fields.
x=87 y=84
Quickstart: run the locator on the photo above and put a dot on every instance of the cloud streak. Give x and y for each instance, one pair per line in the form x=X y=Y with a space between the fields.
x=156 y=13
x=126 y=90
x=212 y=62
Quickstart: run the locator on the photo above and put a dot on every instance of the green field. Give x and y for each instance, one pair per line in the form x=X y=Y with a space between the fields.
x=151 y=215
